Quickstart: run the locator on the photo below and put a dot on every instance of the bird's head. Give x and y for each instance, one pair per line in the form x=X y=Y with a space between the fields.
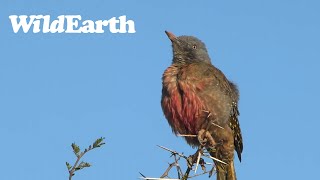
x=188 y=49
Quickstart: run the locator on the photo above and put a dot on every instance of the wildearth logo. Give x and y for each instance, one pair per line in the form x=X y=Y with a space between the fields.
x=70 y=24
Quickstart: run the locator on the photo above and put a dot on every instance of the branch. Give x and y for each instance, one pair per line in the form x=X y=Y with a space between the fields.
x=195 y=159
x=76 y=150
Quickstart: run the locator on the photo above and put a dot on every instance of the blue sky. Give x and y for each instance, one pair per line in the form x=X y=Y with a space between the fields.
x=62 y=88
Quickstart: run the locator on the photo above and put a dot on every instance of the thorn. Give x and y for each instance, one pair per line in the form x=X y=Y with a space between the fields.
x=198 y=160
x=167 y=149
x=142 y=175
x=187 y=135
x=216 y=159
x=208 y=115
x=217 y=125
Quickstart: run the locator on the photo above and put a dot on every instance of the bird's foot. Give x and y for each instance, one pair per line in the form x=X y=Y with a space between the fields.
x=205 y=138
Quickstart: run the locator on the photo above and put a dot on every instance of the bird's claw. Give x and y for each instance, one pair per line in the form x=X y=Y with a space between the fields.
x=205 y=138
x=201 y=137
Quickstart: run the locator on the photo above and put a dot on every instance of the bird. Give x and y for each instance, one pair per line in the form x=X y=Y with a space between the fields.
x=198 y=99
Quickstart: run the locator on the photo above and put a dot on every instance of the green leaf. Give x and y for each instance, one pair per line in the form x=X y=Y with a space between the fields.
x=76 y=149
x=82 y=165
x=98 y=142
x=68 y=166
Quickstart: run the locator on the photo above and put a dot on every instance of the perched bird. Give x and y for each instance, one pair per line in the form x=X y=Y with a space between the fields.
x=197 y=99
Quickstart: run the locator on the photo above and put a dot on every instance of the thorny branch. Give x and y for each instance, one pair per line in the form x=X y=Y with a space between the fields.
x=205 y=140
x=195 y=159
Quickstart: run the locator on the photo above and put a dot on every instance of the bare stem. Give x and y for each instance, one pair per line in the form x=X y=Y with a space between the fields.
x=72 y=170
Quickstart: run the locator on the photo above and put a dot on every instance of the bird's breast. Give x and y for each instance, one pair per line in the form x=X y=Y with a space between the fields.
x=181 y=105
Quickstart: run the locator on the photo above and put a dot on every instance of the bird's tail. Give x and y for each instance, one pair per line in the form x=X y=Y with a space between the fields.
x=225 y=171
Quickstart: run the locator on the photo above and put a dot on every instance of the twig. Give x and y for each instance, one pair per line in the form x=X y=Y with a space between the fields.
x=190 y=164
x=165 y=174
x=204 y=172
x=148 y=178
x=173 y=152
x=72 y=169
x=178 y=166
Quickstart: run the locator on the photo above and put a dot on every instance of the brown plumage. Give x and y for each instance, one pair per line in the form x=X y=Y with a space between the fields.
x=197 y=97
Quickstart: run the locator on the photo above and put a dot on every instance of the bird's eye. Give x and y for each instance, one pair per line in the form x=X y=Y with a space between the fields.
x=194 y=46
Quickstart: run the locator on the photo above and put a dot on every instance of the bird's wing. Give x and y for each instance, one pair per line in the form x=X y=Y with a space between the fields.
x=234 y=122
x=234 y=125
x=231 y=89
x=214 y=75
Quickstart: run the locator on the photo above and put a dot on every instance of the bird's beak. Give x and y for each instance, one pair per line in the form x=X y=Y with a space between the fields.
x=171 y=36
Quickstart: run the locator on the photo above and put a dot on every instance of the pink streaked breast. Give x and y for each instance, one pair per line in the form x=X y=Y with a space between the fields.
x=181 y=105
